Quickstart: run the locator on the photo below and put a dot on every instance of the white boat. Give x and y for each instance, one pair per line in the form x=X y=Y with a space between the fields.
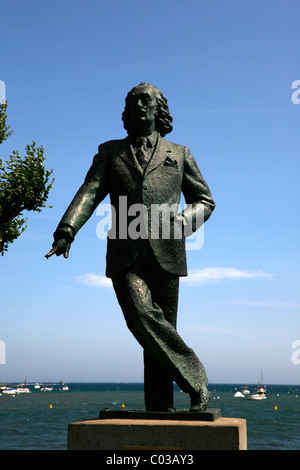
x=261 y=392
x=9 y=391
x=260 y=395
x=238 y=394
x=63 y=386
x=37 y=386
x=46 y=389
x=22 y=390
x=245 y=390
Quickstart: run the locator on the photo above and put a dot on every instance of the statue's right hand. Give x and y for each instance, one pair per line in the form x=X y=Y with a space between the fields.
x=60 y=247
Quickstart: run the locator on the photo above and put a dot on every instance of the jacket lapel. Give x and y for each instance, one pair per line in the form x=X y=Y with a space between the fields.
x=125 y=151
x=161 y=152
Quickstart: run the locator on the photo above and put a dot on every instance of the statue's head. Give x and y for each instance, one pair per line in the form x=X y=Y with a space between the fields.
x=146 y=102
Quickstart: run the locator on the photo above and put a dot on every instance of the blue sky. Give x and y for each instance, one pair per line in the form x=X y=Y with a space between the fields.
x=227 y=69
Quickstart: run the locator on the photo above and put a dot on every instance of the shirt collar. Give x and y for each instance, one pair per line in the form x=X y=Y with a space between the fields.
x=151 y=140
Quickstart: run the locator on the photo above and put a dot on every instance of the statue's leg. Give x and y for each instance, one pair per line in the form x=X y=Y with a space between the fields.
x=158 y=337
x=158 y=384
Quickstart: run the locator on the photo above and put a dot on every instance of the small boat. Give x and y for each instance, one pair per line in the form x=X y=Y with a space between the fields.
x=46 y=388
x=261 y=392
x=245 y=390
x=9 y=391
x=238 y=394
x=260 y=395
x=22 y=388
x=37 y=386
x=63 y=386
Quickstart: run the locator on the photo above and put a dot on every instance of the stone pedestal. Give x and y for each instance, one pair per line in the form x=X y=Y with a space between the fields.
x=117 y=433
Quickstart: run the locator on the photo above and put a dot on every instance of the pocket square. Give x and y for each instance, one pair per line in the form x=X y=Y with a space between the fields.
x=169 y=162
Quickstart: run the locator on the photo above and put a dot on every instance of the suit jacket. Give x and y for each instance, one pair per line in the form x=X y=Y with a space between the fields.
x=172 y=171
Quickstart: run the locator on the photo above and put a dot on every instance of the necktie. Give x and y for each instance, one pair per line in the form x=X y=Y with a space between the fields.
x=142 y=153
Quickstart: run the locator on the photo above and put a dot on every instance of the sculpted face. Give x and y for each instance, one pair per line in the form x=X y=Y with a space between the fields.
x=143 y=109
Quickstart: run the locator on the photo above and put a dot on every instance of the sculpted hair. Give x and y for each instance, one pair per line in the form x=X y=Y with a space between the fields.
x=163 y=116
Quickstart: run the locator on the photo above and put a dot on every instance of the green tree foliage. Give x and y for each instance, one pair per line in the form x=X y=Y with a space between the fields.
x=24 y=185
x=4 y=132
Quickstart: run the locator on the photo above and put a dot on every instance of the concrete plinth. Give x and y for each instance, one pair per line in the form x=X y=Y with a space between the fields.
x=144 y=434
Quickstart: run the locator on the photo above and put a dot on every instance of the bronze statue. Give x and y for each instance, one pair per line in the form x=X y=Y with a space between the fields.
x=145 y=269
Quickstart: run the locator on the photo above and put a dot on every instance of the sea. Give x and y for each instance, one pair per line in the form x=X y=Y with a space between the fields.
x=39 y=420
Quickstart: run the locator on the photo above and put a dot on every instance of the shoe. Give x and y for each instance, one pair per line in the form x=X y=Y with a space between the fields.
x=199 y=401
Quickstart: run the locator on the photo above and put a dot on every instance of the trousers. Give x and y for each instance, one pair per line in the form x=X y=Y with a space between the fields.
x=148 y=297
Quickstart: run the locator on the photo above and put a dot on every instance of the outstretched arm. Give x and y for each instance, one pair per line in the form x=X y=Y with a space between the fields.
x=87 y=198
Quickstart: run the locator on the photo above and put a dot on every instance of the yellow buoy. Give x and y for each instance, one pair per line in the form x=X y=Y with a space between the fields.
x=50 y=406
x=275 y=407
x=123 y=406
